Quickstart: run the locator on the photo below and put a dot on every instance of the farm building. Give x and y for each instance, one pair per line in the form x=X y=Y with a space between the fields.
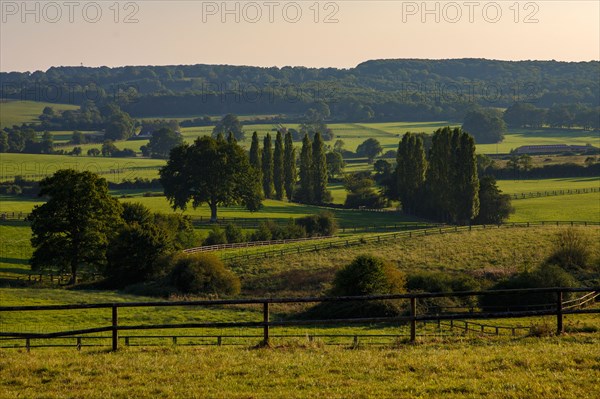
x=553 y=149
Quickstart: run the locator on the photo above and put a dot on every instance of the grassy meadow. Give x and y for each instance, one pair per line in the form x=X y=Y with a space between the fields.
x=565 y=367
x=17 y=112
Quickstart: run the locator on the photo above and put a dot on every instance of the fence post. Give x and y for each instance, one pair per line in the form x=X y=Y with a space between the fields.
x=266 y=323
x=559 y=313
x=115 y=331
x=28 y=344
x=413 y=320
x=78 y=343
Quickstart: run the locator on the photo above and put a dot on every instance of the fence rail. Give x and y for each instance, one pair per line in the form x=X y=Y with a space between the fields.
x=431 y=230
x=411 y=317
x=552 y=193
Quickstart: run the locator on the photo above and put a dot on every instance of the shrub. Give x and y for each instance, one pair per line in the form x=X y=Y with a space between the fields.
x=203 y=274
x=570 y=250
x=323 y=224
x=234 y=234
x=442 y=282
x=546 y=276
x=132 y=254
x=216 y=236
x=263 y=233
x=368 y=275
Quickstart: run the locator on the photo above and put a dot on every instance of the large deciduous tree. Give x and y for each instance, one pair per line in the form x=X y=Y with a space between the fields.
x=73 y=228
x=210 y=171
x=229 y=124
x=369 y=148
x=162 y=141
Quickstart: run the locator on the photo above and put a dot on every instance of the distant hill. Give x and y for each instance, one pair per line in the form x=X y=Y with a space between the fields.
x=409 y=89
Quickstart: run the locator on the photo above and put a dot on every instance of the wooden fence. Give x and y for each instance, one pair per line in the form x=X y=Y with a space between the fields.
x=552 y=193
x=351 y=241
x=266 y=324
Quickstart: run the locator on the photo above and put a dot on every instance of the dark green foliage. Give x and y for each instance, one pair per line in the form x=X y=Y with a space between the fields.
x=210 y=171
x=369 y=148
x=47 y=144
x=73 y=228
x=109 y=148
x=319 y=171
x=255 y=157
x=494 y=207
x=229 y=124
x=278 y=167
x=485 y=126
x=335 y=164
x=546 y=276
x=368 y=275
x=203 y=274
x=267 y=167
x=216 y=236
x=361 y=192
x=177 y=228
x=411 y=165
x=270 y=230
x=119 y=125
x=305 y=193
x=452 y=185
x=162 y=141
x=135 y=212
x=263 y=233
x=323 y=224
x=4 y=146
x=443 y=282
x=289 y=166
x=234 y=234
x=131 y=255
x=524 y=115
x=571 y=250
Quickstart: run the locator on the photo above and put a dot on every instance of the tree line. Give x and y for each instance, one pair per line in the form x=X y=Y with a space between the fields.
x=378 y=90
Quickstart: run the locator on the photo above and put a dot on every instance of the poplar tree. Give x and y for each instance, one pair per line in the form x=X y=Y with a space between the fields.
x=255 y=156
x=267 y=167
x=305 y=193
x=439 y=173
x=467 y=181
x=319 y=171
x=278 y=167
x=411 y=165
x=289 y=166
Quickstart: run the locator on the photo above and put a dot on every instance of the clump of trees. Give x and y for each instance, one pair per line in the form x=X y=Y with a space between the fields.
x=162 y=142
x=25 y=140
x=313 y=172
x=202 y=274
x=445 y=185
x=486 y=126
x=362 y=192
x=229 y=124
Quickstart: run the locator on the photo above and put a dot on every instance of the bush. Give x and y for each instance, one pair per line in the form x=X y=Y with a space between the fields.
x=442 y=282
x=323 y=224
x=263 y=233
x=368 y=275
x=203 y=274
x=132 y=254
x=546 y=276
x=570 y=250
x=234 y=234
x=216 y=236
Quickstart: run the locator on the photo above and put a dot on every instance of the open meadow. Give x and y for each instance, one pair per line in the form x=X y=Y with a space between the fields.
x=17 y=112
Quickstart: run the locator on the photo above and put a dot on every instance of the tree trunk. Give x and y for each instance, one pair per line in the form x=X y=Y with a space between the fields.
x=74 y=263
x=213 y=212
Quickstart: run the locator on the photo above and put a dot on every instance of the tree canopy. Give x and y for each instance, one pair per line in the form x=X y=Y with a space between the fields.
x=210 y=171
x=73 y=228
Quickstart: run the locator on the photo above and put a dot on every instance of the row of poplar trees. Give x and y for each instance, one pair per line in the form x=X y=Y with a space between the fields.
x=443 y=186
x=278 y=173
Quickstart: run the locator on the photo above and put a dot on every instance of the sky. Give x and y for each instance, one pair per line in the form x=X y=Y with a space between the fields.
x=36 y=35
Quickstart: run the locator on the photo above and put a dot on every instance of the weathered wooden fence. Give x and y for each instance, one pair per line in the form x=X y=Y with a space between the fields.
x=267 y=324
x=552 y=193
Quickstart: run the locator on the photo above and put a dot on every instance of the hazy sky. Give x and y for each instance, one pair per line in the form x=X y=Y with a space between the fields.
x=278 y=33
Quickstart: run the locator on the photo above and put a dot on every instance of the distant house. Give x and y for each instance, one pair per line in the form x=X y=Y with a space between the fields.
x=553 y=149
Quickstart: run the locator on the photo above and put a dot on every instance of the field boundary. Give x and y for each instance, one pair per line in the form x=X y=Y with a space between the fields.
x=361 y=240
x=410 y=317
x=554 y=193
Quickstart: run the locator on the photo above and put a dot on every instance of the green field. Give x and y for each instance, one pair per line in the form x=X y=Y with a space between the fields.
x=582 y=207
x=18 y=112
x=565 y=367
x=543 y=185
x=518 y=137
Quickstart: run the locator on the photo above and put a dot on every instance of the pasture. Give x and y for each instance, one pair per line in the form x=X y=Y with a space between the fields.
x=564 y=367
x=18 y=112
